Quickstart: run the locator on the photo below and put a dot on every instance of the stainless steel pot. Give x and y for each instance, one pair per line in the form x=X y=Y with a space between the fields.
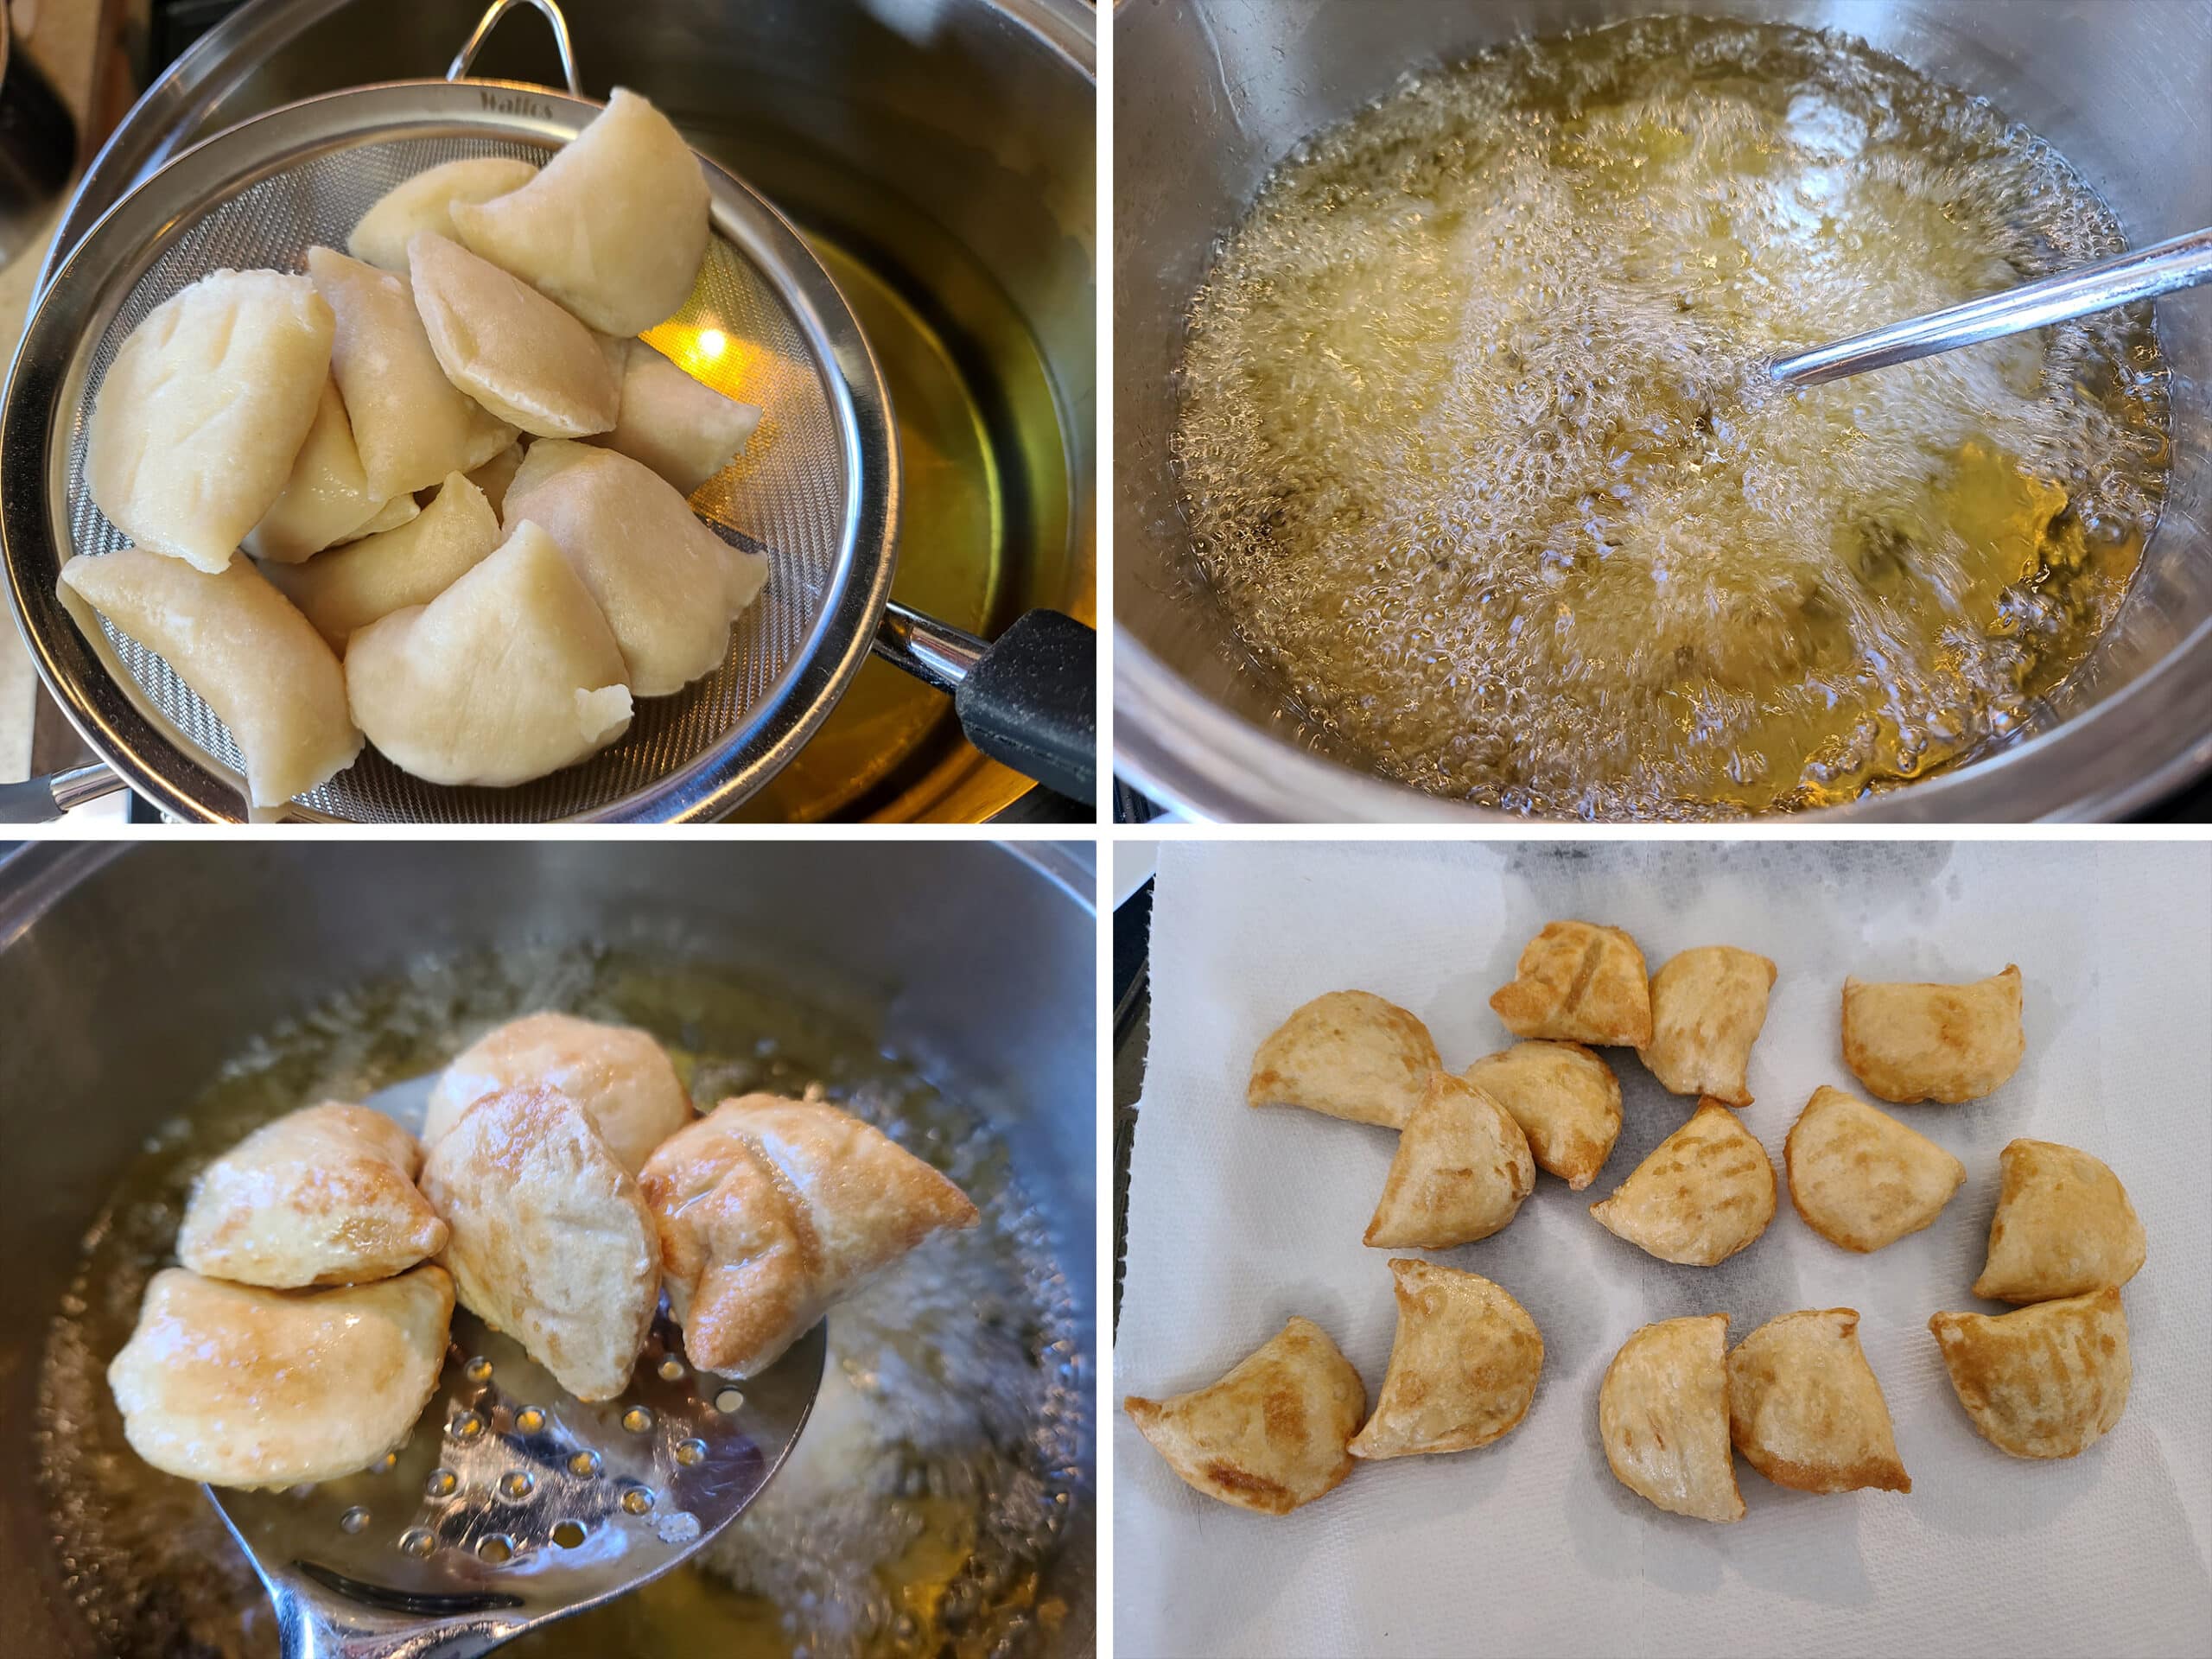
x=1208 y=96
x=940 y=157
x=129 y=975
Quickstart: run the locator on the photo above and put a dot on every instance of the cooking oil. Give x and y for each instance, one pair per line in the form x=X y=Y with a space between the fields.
x=923 y=1510
x=1475 y=445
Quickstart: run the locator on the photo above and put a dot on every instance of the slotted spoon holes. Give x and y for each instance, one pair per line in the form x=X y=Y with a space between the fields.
x=796 y=495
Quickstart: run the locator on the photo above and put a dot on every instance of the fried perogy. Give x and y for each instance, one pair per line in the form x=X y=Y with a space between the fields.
x=238 y=1386
x=1462 y=1169
x=770 y=1209
x=1565 y=1100
x=1948 y=1043
x=425 y=203
x=348 y=587
x=243 y=648
x=508 y=346
x=1859 y=1178
x=201 y=413
x=1705 y=1192
x=1805 y=1409
x=1663 y=1414
x=620 y=1076
x=323 y=1196
x=1274 y=1433
x=1463 y=1366
x=2064 y=1226
x=1707 y=1007
x=2041 y=1381
x=1347 y=1053
x=614 y=227
x=1578 y=983
x=551 y=1241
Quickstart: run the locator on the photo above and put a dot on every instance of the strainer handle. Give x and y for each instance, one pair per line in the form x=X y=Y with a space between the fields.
x=1029 y=698
x=42 y=800
x=458 y=69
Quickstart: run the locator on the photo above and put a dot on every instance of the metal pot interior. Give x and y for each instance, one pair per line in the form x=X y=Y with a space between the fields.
x=1208 y=99
x=131 y=976
x=941 y=161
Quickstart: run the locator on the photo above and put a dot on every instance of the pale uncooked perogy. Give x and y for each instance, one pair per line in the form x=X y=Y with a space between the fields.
x=495 y=476
x=411 y=424
x=243 y=648
x=425 y=203
x=551 y=1242
x=326 y=497
x=324 y=1195
x=510 y=347
x=620 y=1077
x=540 y=459
x=198 y=418
x=348 y=587
x=684 y=430
x=670 y=586
x=614 y=227
x=238 y=1386
x=770 y=1210
x=509 y=674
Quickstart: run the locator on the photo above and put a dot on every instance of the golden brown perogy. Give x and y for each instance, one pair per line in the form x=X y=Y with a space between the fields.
x=1705 y=1192
x=770 y=1209
x=1347 y=1053
x=1859 y=1178
x=1663 y=1414
x=2064 y=1226
x=1578 y=983
x=1461 y=1170
x=1707 y=1007
x=2041 y=1381
x=1463 y=1366
x=550 y=1238
x=1565 y=1100
x=1805 y=1409
x=1274 y=1433
x=1949 y=1043
x=620 y=1076
x=322 y=1196
x=238 y=1386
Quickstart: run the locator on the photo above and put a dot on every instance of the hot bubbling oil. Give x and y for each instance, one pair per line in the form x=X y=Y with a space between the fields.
x=1474 y=449
x=941 y=1474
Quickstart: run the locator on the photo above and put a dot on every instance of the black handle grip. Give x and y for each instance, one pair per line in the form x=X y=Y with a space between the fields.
x=1031 y=701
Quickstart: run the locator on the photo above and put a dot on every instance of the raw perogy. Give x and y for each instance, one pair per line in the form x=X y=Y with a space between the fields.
x=411 y=425
x=1662 y=1415
x=1348 y=1054
x=1805 y=1408
x=684 y=430
x=619 y=1076
x=1705 y=1192
x=325 y=1195
x=670 y=586
x=1950 y=1043
x=510 y=347
x=1565 y=1100
x=551 y=1241
x=1578 y=983
x=509 y=674
x=196 y=423
x=326 y=496
x=1273 y=1432
x=1462 y=1169
x=425 y=203
x=243 y=648
x=348 y=587
x=2064 y=1226
x=1707 y=1006
x=770 y=1210
x=614 y=227
x=238 y=1386
x=495 y=476
x=1859 y=1178
x=2042 y=1382
x=1463 y=1366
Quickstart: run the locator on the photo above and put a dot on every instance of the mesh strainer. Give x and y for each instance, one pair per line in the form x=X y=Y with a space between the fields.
x=816 y=491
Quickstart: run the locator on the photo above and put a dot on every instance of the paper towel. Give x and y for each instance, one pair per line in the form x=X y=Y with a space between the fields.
x=1239 y=1218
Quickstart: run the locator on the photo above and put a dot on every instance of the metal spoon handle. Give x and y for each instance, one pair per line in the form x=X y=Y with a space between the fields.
x=2179 y=261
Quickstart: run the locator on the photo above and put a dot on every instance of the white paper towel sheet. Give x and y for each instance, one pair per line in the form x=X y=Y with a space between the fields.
x=1239 y=1218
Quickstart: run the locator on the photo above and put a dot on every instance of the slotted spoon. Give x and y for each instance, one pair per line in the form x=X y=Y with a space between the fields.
x=513 y=1504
